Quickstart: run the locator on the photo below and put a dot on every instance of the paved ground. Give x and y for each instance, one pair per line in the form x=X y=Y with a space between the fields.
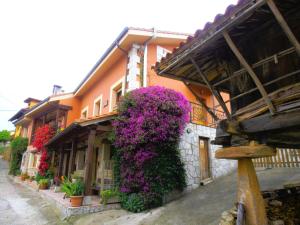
x=201 y=207
x=20 y=206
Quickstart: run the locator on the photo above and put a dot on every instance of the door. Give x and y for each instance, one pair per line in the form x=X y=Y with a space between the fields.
x=204 y=158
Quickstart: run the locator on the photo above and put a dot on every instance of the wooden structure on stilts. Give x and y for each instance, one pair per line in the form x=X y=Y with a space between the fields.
x=252 y=52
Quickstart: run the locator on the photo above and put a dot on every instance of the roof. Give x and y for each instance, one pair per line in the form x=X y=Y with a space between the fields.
x=130 y=35
x=28 y=100
x=221 y=22
x=80 y=125
x=18 y=115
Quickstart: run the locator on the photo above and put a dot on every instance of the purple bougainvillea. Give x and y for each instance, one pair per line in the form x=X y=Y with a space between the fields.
x=147 y=132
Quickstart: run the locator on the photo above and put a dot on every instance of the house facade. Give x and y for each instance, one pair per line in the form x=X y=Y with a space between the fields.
x=81 y=148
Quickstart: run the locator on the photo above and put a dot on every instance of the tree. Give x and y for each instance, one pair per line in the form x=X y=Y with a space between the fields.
x=18 y=146
x=4 y=136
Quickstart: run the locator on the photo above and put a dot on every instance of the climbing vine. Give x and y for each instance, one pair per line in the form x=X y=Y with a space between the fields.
x=147 y=133
x=42 y=136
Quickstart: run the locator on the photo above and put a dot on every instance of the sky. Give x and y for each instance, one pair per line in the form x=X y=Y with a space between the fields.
x=47 y=42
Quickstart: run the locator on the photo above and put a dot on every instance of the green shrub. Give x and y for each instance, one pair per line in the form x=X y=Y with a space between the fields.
x=18 y=147
x=108 y=194
x=44 y=181
x=72 y=189
x=38 y=177
x=132 y=202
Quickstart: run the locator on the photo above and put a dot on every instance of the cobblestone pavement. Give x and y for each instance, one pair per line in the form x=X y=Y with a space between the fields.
x=20 y=206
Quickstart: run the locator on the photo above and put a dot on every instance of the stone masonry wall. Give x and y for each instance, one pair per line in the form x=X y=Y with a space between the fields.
x=189 y=149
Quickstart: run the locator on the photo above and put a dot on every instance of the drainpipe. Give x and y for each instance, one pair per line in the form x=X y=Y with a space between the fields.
x=127 y=61
x=145 y=57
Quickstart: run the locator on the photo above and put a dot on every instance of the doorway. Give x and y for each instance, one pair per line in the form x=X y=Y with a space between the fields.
x=204 y=158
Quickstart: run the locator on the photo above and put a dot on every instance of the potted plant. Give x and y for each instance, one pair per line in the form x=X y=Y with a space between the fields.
x=43 y=184
x=74 y=190
x=109 y=196
x=32 y=178
x=24 y=176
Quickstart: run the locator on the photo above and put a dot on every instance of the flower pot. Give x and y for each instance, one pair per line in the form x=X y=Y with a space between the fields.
x=76 y=201
x=43 y=186
x=23 y=178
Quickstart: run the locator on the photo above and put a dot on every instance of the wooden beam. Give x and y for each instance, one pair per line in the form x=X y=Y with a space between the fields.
x=88 y=162
x=61 y=160
x=214 y=116
x=248 y=151
x=285 y=27
x=72 y=157
x=251 y=72
x=212 y=89
x=104 y=128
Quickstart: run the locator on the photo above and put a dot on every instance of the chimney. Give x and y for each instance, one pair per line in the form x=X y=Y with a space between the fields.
x=57 y=89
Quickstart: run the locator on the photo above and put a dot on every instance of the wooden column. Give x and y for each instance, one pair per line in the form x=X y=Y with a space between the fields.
x=249 y=193
x=88 y=163
x=72 y=157
x=61 y=161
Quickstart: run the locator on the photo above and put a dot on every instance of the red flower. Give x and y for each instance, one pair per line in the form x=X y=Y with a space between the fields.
x=42 y=136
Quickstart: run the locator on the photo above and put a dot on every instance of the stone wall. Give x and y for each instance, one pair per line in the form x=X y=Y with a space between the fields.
x=189 y=149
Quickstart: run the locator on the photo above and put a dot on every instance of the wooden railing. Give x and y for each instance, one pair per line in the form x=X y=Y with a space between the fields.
x=199 y=115
x=284 y=158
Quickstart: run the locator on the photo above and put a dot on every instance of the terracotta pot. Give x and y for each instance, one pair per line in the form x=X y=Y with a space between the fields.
x=76 y=201
x=43 y=186
x=23 y=178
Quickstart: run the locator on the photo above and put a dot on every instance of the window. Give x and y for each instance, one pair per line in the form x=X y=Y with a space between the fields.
x=84 y=113
x=161 y=52
x=98 y=106
x=116 y=92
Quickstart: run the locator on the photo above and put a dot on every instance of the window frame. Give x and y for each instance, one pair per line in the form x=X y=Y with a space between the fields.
x=113 y=90
x=85 y=109
x=98 y=99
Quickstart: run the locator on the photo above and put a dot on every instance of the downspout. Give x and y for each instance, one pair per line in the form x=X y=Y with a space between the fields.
x=145 y=46
x=127 y=61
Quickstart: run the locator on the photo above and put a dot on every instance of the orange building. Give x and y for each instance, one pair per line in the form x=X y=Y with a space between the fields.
x=81 y=148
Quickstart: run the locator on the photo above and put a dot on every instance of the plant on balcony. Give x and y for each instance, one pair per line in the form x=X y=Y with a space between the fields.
x=18 y=147
x=147 y=132
x=42 y=136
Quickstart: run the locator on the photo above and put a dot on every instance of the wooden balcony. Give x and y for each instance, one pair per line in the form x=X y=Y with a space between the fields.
x=200 y=116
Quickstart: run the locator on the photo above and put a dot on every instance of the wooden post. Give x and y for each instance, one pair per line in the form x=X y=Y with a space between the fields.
x=249 y=193
x=61 y=161
x=102 y=163
x=285 y=27
x=88 y=163
x=251 y=72
x=72 y=157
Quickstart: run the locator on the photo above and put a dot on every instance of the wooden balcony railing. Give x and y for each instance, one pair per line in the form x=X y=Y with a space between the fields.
x=199 y=115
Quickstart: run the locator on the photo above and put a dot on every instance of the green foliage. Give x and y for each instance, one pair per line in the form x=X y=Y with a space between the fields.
x=4 y=136
x=72 y=189
x=44 y=181
x=108 y=194
x=2 y=150
x=38 y=177
x=18 y=146
x=132 y=202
